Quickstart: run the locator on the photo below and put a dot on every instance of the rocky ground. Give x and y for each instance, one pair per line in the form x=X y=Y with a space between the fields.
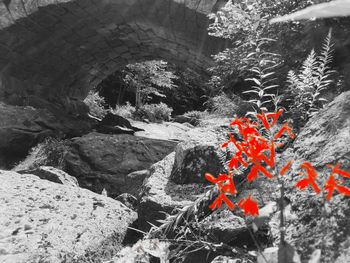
x=79 y=208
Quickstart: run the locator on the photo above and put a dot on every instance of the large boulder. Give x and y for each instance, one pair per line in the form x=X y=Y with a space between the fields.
x=101 y=161
x=325 y=139
x=42 y=221
x=160 y=195
x=20 y=129
x=198 y=155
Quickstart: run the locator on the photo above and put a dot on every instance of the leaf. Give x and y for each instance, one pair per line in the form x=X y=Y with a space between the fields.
x=267 y=75
x=336 y=169
x=311 y=175
x=336 y=8
x=257 y=82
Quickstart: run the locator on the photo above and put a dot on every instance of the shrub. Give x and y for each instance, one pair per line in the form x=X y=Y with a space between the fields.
x=50 y=152
x=96 y=104
x=126 y=111
x=221 y=104
x=227 y=106
x=154 y=112
x=195 y=114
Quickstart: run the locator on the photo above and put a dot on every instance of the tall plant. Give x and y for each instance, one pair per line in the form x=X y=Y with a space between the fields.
x=263 y=70
x=307 y=86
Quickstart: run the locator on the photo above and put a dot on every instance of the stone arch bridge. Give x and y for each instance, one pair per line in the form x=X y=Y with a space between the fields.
x=52 y=49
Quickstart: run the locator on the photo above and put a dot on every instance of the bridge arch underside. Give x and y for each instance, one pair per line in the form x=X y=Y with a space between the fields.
x=64 y=47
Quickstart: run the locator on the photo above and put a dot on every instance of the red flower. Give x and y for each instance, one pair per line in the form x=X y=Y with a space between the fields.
x=253 y=174
x=218 y=202
x=285 y=128
x=332 y=184
x=226 y=185
x=264 y=120
x=275 y=116
x=337 y=170
x=286 y=168
x=249 y=206
x=311 y=175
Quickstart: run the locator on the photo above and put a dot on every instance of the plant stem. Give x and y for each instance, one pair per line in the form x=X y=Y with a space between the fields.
x=282 y=223
x=255 y=240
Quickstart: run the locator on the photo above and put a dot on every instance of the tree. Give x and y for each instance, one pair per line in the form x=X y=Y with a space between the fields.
x=148 y=78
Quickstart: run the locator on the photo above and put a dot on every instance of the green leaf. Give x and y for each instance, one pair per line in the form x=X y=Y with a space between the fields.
x=255 y=80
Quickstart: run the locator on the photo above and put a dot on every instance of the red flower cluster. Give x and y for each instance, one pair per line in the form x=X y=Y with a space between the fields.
x=331 y=184
x=258 y=151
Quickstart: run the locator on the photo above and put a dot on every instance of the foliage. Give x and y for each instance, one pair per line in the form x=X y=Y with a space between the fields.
x=50 y=152
x=154 y=112
x=307 y=86
x=191 y=91
x=147 y=78
x=226 y=105
x=126 y=111
x=196 y=114
x=222 y=105
x=96 y=104
x=243 y=23
x=263 y=66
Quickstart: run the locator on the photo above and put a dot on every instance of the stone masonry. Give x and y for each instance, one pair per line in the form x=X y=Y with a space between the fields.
x=53 y=49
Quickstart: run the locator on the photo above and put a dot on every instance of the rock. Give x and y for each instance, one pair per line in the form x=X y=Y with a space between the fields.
x=144 y=250
x=224 y=259
x=43 y=221
x=101 y=161
x=23 y=127
x=159 y=195
x=52 y=174
x=128 y=200
x=193 y=161
x=199 y=155
x=134 y=181
x=328 y=130
x=324 y=139
x=115 y=124
x=185 y=119
x=20 y=129
x=164 y=131
x=114 y=130
x=278 y=254
x=227 y=228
